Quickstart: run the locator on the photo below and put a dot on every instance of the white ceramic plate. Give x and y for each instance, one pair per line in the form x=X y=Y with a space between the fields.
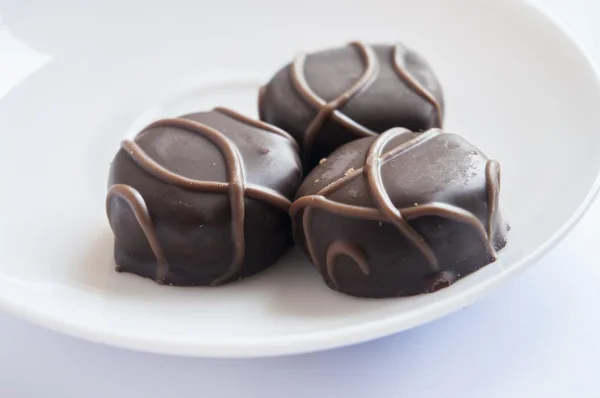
x=75 y=80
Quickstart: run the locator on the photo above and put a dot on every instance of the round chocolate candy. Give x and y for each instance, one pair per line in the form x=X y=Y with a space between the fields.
x=202 y=199
x=332 y=97
x=400 y=214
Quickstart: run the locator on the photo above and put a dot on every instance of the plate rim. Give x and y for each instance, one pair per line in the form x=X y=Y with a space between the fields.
x=338 y=337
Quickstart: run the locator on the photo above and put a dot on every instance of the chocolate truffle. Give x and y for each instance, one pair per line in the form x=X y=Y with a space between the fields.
x=332 y=97
x=202 y=199
x=400 y=214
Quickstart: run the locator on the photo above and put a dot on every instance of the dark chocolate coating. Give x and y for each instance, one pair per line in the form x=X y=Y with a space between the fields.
x=400 y=214
x=332 y=97
x=203 y=199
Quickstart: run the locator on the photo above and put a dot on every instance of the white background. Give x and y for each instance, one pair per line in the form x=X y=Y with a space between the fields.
x=539 y=336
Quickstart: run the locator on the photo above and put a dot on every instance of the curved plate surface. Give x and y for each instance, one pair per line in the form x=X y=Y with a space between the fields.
x=74 y=83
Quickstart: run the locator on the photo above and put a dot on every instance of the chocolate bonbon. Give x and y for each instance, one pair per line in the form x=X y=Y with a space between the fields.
x=400 y=214
x=202 y=199
x=332 y=97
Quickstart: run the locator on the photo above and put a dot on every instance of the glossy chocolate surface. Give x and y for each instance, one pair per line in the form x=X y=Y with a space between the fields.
x=401 y=214
x=202 y=199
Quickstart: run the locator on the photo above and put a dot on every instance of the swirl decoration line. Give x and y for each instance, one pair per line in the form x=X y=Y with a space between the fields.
x=345 y=248
x=257 y=123
x=381 y=198
x=399 y=64
x=236 y=187
x=137 y=204
x=385 y=211
x=327 y=110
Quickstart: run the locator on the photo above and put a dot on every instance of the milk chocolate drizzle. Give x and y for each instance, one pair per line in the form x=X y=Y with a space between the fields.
x=381 y=197
x=385 y=210
x=399 y=63
x=236 y=187
x=330 y=109
x=345 y=248
x=492 y=180
x=256 y=123
x=137 y=204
